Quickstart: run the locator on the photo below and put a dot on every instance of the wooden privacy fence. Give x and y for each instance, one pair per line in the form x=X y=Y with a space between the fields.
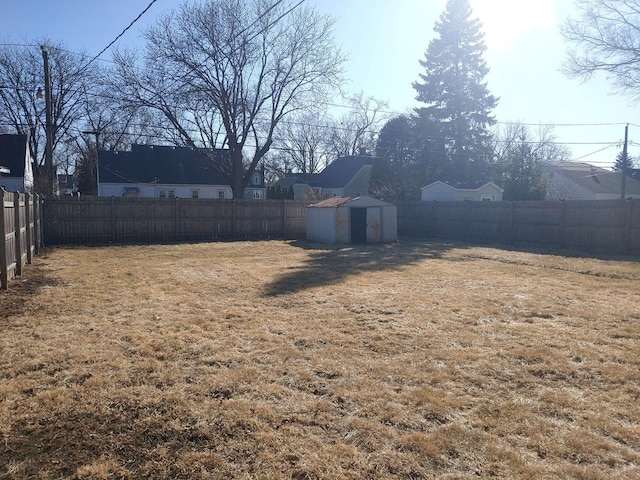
x=94 y=220
x=21 y=226
x=599 y=225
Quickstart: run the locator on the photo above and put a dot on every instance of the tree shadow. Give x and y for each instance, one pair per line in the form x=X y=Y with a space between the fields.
x=328 y=265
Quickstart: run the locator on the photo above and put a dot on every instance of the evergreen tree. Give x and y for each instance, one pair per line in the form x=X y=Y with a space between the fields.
x=454 y=90
x=407 y=158
x=524 y=178
x=623 y=164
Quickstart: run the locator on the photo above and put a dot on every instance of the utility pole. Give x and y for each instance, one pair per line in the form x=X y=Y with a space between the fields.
x=624 y=162
x=48 y=151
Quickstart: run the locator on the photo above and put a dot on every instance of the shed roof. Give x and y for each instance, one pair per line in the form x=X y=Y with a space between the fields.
x=162 y=165
x=359 y=201
x=13 y=151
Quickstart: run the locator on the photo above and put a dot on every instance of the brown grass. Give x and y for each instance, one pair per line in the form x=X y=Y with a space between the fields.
x=283 y=360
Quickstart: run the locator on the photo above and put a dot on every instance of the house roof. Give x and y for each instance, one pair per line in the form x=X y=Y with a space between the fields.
x=291 y=179
x=160 y=165
x=594 y=179
x=359 y=201
x=465 y=186
x=341 y=171
x=13 y=151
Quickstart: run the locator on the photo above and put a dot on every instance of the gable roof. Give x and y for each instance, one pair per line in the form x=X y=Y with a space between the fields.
x=13 y=153
x=160 y=165
x=341 y=171
x=291 y=179
x=476 y=186
x=594 y=179
x=359 y=201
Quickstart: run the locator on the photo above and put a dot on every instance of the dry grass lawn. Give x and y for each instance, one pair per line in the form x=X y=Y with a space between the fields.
x=285 y=360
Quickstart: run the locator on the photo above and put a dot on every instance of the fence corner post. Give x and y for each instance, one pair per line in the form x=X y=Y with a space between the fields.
x=17 y=229
x=4 y=271
x=28 y=205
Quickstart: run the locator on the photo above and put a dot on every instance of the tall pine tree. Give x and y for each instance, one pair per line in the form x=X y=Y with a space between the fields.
x=454 y=90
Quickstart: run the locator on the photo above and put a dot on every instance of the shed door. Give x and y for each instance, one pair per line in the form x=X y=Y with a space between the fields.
x=358 y=225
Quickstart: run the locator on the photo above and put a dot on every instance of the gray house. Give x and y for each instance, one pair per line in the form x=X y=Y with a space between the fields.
x=16 y=169
x=582 y=181
x=344 y=177
x=168 y=172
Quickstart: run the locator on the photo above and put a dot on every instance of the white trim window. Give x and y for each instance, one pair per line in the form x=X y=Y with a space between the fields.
x=195 y=193
x=220 y=194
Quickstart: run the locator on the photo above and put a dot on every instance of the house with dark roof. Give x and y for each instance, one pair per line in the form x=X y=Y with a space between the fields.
x=16 y=169
x=582 y=181
x=168 y=172
x=474 y=192
x=347 y=176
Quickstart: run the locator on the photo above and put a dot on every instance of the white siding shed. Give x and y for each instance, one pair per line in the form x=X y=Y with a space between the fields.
x=362 y=219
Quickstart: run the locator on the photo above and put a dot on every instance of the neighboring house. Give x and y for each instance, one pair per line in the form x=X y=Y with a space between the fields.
x=65 y=184
x=300 y=183
x=480 y=192
x=16 y=170
x=582 y=181
x=344 y=177
x=167 y=172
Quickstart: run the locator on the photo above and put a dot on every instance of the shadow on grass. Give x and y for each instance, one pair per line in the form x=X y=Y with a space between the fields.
x=328 y=265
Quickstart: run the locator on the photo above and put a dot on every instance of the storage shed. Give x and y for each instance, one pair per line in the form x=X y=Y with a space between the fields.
x=360 y=219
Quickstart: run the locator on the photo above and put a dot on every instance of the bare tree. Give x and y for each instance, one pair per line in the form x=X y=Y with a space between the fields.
x=357 y=129
x=301 y=142
x=605 y=37
x=225 y=73
x=21 y=82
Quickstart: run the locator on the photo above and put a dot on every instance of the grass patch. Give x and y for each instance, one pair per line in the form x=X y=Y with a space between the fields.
x=290 y=360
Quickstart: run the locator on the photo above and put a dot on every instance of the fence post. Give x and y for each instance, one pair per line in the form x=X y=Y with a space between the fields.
x=627 y=229
x=18 y=237
x=40 y=223
x=4 y=271
x=27 y=219
x=284 y=218
x=563 y=222
x=233 y=218
x=113 y=219
x=176 y=219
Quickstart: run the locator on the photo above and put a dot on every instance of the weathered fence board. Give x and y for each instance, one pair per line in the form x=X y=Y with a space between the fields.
x=599 y=225
x=605 y=225
x=91 y=220
x=20 y=226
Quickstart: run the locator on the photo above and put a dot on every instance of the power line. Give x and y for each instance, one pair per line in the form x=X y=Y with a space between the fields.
x=120 y=35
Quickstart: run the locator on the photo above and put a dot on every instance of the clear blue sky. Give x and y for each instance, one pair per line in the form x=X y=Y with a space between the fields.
x=385 y=39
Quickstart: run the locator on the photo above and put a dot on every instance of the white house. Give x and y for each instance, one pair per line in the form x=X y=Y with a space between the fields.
x=361 y=219
x=16 y=170
x=582 y=181
x=168 y=172
x=443 y=192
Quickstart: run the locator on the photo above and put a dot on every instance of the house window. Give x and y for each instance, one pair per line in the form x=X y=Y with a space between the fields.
x=163 y=194
x=195 y=193
x=171 y=193
x=258 y=194
x=221 y=194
